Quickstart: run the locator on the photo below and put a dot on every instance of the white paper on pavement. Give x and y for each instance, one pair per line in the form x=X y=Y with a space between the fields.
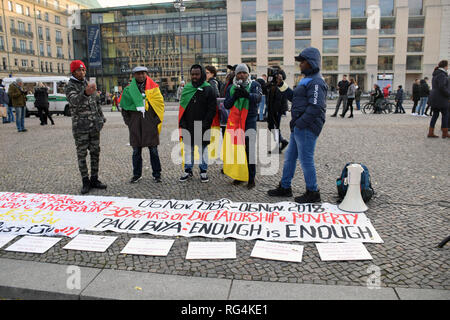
x=148 y=247
x=87 y=242
x=211 y=250
x=31 y=244
x=342 y=251
x=277 y=251
x=5 y=238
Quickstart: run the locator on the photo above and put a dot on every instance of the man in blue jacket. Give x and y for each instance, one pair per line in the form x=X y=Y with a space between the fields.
x=308 y=117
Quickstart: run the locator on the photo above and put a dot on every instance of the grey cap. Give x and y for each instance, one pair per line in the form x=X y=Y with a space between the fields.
x=139 y=69
x=241 y=68
x=19 y=80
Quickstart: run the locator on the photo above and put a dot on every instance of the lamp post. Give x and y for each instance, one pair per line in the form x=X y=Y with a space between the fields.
x=179 y=5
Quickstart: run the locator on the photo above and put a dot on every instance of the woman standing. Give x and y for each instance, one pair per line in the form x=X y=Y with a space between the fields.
x=439 y=97
x=350 y=97
x=41 y=103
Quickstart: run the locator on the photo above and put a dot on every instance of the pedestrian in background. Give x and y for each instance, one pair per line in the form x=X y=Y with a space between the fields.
x=343 y=88
x=41 y=103
x=377 y=98
x=143 y=112
x=358 y=97
x=351 y=92
x=180 y=90
x=4 y=102
x=415 y=96
x=211 y=74
x=262 y=104
x=87 y=122
x=424 y=92
x=18 y=99
x=439 y=96
x=399 y=100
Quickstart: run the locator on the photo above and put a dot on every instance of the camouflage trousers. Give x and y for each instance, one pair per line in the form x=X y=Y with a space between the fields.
x=84 y=142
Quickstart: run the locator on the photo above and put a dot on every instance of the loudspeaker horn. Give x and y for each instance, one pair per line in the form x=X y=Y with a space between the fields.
x=353 y=201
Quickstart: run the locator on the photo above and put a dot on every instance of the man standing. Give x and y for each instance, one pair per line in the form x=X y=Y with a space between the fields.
x=87 y=122
x=424 y=92
x=18 y=97
x=415 y=96
x=399 y=100
x=41 y=103
x=343 y=88
x=198 y=107
x=242 y=99
x=4 y=102
x=262 y=105
x=143 y=112
x=308 y=117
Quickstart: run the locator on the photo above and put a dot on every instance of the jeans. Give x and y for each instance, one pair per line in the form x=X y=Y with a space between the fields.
x=10 y=114
x=358 y=104
x=262 y=105
x=20 y=118
x=343 y=99
x=189 y=158
x=422 y=105
x=154 y=160
x=399 y=107
x=301 y=146
x=444 y=123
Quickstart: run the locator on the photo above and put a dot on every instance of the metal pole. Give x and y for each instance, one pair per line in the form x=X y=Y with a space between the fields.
x=181 y=44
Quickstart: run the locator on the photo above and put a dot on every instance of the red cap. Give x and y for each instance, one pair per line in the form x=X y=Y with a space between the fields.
x=74 y=65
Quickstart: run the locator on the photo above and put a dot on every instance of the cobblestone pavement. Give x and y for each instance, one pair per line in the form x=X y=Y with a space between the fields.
x=410 y=210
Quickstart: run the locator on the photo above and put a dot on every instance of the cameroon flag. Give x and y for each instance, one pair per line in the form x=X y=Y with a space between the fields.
x=233 y=149
x=132 y=98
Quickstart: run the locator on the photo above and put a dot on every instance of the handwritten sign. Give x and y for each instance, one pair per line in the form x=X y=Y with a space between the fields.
x=342 y=251
x=148 y=247
x=211 y=250
x=32 y=244
x=277 y=251
x=87 y=242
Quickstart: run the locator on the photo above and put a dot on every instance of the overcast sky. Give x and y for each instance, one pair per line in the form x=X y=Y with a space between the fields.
x=117 y=3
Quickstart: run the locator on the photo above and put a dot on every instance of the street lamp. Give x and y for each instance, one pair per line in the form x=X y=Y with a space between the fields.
x=179 y=5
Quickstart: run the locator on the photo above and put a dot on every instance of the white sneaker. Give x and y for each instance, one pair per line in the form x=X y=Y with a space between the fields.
x=204 y=177
x=414 y=114
x=186 y=176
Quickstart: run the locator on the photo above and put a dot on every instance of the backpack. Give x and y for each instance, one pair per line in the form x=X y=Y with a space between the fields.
x=366 y=186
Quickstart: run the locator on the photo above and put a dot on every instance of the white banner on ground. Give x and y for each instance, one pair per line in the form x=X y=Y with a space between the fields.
x=283 y=221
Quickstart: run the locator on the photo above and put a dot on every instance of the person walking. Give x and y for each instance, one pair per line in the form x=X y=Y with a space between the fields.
x=343 y=88
x=351 y=92
x=262 y=104
x=143 y=112
x=4 y=102
x=180 y=89
x=377 y=98
x=18 y=99
x=439 y=96
x=87 y=122
x=308 y=118
x=415 y=96
x=41 y=103
x=198 y=107
x=242 y=99
x=399 y=100
x=358 y=97
x=424 y=92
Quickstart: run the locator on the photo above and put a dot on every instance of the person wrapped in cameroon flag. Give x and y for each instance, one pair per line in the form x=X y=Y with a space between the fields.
x=238 y=151
x=142 y=107
x=198 y=108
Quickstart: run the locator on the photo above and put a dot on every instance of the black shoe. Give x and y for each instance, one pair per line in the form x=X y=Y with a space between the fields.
x=342 y=115
x=86 y=186
x=351 y=116
x=186 y=176
x=157 y=179
x=333 y=115
x=280 y=192
x=251 y=185
x=97 y=184
x=284 y=144
x=204 y=177
x=135 y=179
x=309 y=197
x=24 y=130
x=236 y=182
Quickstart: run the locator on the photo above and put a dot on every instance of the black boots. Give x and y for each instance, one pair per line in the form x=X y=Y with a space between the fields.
x=280 y=192
x=86 y=186
x=309 y=197
x=95 y=183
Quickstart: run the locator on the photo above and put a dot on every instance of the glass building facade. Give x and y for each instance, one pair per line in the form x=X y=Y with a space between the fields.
x=150 y=35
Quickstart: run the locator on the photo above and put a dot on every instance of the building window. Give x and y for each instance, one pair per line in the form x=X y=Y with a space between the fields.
x=330 y=46
x=248 y=30
x=415 y=44
x=24 y=63
x=387 y=26
x=47 y=34
x=41 y=49
x=415 y=7
x=303 y=28
x=275 y=46
x=386 y=45
x=49 y=51
x=57 y=20
x=385 y=63
x=329 y=63
x=10 y=6
x=1 y=24
x=330 y=27
x=275 y=61
x=38 y=14
x=357 y=63
x=27 y=11
x=46 y=16
x=275 y=10
x=413 y=62
x=416 y=25
x=275 y=29
x=358 y=27
x=248 y=47
x=19 y=8
x=330 y=8
x=59 y=53
x=248 y=10
x=23 y=46
x=300 y=45
x=358 y=8
x=302 y=9
x=386 y=8
x=358 y=45
x=2 y=43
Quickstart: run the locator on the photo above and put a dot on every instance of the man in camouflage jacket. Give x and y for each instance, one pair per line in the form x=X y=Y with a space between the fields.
x=87 y=122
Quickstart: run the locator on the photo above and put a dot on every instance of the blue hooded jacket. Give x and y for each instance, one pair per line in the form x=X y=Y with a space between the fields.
x=309 y=97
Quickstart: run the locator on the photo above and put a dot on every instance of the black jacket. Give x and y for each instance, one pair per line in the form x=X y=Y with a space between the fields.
x=41 y=95
x=343 y=87
x=415 y=92
x=440 y=94
x=424 y=89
